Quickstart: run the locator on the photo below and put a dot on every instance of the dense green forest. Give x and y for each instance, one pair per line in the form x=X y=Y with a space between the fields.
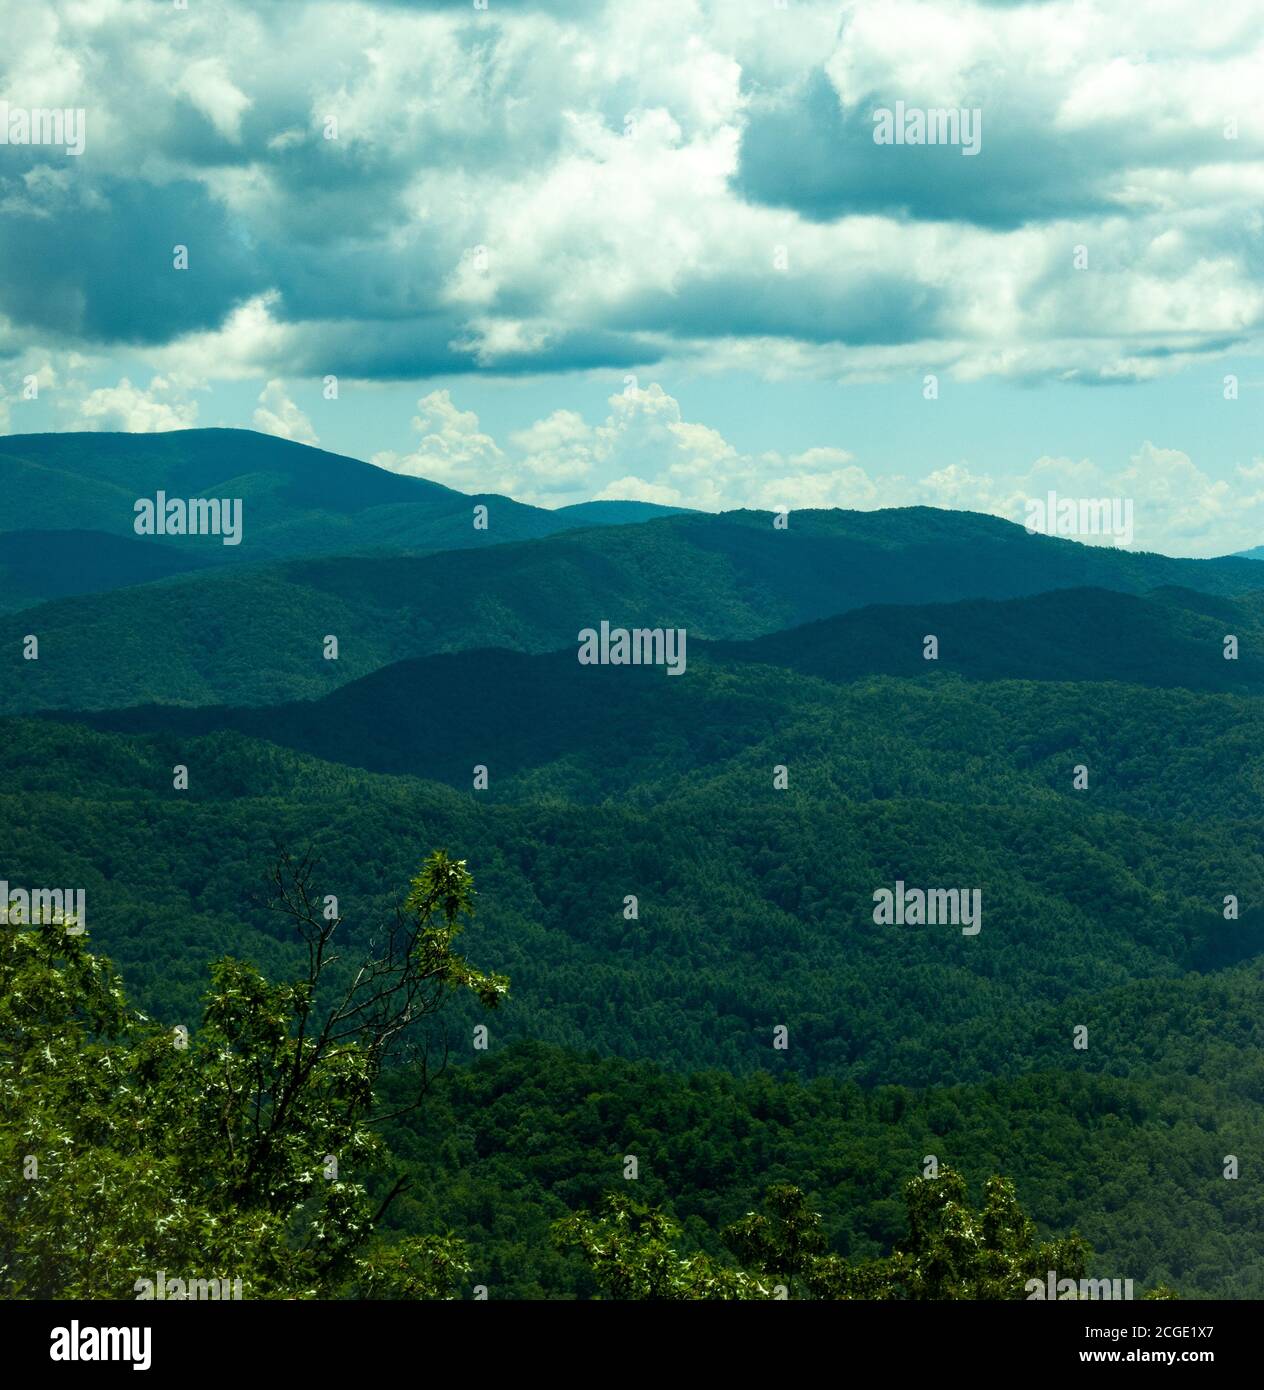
x=510 y=1144
x=754 y=912
x=283 y=1145
x=676 y=873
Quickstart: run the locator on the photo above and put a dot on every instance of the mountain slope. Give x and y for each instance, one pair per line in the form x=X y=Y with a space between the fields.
x=1174 y=637
x=748 y=914
x=547 y=728
x=256 y=637
x=39 y=565
x=296 y=500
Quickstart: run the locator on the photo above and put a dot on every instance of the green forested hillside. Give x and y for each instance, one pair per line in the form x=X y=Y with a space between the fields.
x=546 y=728
x=907 y=1041
x=678 y=872
x=39 y=565
x=1171 y=637
x=296 y=500
x=749 y=915
x=1133 y=1162
x=255 y=637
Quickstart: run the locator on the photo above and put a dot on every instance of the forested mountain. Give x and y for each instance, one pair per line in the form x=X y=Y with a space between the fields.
x=532 y=1132
x=256 y=637
x=615 y=513
x=749 y=917
x=545 y=727
x=671 y=868
x=1171 y=637
x=40 y=565
x=296 y=500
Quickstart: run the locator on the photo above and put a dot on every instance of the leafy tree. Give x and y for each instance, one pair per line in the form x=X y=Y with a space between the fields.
x=632 y=1252
x=129 y=1148
x=952 y=1252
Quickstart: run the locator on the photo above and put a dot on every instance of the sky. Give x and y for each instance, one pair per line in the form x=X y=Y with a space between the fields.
x=566 y=249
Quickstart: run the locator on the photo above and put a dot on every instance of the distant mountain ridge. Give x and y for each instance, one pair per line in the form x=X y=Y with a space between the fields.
x=39 y=565
x=256 y=635
x=1172 y=637
x=297 y=500
x=541 y=723
x=395 y=568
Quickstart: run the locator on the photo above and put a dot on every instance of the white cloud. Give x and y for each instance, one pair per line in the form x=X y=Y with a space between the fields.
x=599 y=154
x=160 y=406
x=558 y=452
x=632 y=489
x=595 y=151
x=211 y=90
x=644 y=450
x=277 y=414
x=452 y=450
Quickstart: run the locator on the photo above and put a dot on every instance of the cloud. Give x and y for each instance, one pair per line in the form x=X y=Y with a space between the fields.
x=558 y=452
x=557 y=186
x=632 y=489
x=645 y=450
x=277 y=414
x=99 y=262
x=452 y=450
x=213 y=92
x=158 y=407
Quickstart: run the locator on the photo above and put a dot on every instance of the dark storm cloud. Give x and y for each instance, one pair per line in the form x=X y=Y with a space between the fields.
x=877 y=309
x=100 y=266
x=808 y=154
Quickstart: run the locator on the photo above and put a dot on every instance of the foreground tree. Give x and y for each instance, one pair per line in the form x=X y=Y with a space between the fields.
x=226 y=1151
x=952 y=1251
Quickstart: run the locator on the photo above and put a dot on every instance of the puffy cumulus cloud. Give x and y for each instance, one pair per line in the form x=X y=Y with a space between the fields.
x=644 y=450
x=558 y=452
x=452 y=449
x=807 y=480
x=632 y=489
x=1076 y=98
x=552 y=185
x=1176 y=502
x=1176 y=507
x=277 y=414
x=249 y=342
x=645 y=432
x=160 y=406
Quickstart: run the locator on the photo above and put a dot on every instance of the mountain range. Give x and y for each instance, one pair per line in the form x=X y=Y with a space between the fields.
x=251 y=629
x=1084 y=750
